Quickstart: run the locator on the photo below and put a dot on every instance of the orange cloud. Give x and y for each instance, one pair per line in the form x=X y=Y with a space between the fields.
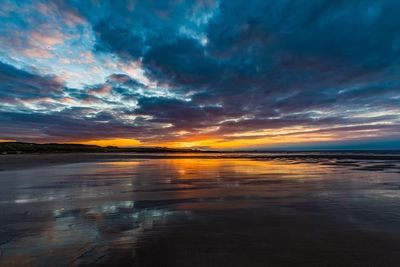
x=238 y=143
x=103 y=90
x=37 y=53
x=38 y=38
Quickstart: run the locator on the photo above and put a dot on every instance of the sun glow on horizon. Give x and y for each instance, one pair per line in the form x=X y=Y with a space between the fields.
x=119 y=142
x=279 y=138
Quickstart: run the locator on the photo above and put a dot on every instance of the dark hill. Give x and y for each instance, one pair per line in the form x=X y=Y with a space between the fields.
x=22 y=148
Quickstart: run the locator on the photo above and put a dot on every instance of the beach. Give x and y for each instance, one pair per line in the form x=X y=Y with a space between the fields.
x=23 y=161
x=200 y=209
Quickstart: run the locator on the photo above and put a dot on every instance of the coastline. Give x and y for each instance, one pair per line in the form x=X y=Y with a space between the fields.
x=25 y=161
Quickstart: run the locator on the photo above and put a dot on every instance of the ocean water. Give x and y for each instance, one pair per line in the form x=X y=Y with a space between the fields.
x=202 y=211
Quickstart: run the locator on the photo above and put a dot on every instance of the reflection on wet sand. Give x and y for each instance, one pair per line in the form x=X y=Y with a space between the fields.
x=202 y=212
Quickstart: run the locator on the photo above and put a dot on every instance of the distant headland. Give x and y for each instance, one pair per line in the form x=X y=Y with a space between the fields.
x=26 y=148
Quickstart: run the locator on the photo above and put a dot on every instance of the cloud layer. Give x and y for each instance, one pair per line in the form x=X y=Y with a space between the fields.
x=220 y=74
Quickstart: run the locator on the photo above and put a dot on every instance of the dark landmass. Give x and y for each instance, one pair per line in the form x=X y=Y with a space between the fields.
x=26 y=148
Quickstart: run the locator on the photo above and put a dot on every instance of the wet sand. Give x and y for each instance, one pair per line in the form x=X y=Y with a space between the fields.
x=24 y=161
x=160 y=210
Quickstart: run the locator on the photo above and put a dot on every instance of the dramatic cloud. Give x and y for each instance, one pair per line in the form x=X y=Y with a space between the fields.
x=220 y=74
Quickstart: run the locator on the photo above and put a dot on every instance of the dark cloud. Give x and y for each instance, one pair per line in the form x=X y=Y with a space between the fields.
x=18 y=84
x=68 y=125
x=182 y=62
x=120 y=39
x=183 y=115
x=232 y=66
x=128 y=28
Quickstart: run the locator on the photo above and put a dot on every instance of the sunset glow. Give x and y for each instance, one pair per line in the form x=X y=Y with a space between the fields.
x=111 y=142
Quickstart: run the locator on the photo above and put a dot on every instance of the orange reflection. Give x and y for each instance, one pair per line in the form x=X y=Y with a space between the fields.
x=211 y=168
x=120 y=163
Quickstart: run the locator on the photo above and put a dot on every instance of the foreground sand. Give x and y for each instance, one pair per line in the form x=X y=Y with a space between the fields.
x=184 y=210
x=23 y=161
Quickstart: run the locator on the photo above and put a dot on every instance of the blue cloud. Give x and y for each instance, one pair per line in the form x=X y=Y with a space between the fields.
x=20 y=84
x=158 y=67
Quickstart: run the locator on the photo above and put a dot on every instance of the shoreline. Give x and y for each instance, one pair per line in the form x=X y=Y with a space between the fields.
x=25 y=161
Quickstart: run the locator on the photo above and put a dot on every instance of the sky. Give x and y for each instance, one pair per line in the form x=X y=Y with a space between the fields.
x=225 y=74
